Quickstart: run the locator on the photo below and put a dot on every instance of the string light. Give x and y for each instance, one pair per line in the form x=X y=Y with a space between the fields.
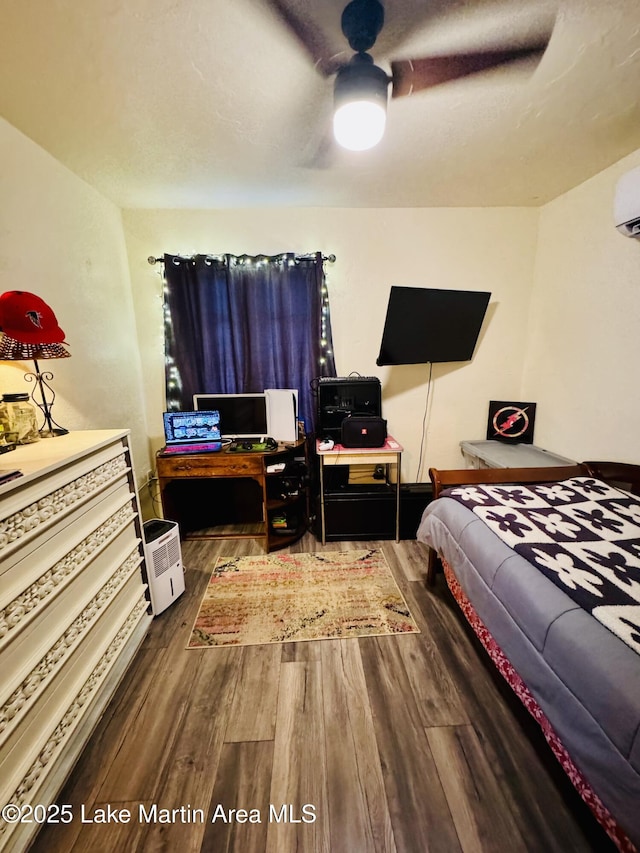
x=289 y=259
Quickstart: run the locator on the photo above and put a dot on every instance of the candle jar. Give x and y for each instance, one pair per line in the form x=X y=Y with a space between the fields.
x=18 y=415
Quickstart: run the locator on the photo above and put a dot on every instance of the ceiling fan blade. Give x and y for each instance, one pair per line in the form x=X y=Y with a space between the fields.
x=414 y=75
x=323 y=154
x=310 y=37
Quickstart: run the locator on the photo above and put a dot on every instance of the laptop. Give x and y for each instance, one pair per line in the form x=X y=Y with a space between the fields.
x=192 y=432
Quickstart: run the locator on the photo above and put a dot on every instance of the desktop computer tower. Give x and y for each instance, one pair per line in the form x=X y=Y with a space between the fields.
x=341 y=397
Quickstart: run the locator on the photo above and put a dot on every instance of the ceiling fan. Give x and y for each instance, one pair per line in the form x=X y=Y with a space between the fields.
x=361 y=87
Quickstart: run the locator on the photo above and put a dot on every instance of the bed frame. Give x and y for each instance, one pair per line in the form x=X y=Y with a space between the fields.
x=621 y=475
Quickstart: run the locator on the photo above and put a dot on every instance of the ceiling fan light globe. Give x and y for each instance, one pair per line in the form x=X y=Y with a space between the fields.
x=359 y=125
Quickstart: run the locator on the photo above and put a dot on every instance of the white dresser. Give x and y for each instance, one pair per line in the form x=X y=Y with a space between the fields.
x=73 y=608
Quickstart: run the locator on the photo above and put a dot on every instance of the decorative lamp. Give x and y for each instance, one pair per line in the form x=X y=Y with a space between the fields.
x=31 y=331
x=360 y=103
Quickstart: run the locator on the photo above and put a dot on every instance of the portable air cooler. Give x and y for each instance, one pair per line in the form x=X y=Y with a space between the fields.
x=164 y=563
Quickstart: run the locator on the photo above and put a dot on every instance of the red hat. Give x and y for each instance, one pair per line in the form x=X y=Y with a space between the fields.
x=28 y=319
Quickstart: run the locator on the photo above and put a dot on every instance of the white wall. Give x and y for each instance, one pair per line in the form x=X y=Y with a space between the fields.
x=62 y=240
x=479 y=249
x=583 y=345
x=562 y=328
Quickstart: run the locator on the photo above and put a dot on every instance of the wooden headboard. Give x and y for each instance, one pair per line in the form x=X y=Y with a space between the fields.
x=624 y=475
x=469 y=476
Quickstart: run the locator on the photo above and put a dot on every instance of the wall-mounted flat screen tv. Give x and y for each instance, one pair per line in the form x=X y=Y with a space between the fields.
x=429 y=325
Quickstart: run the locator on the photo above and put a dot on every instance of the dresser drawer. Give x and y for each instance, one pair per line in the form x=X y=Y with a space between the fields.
x=41 y=503
x=85 y=526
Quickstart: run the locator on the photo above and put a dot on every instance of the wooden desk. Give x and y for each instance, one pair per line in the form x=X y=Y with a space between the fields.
x=230 y=465
x=389 y=454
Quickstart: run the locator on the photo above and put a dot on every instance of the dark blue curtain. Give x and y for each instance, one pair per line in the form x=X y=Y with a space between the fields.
x=242 y=324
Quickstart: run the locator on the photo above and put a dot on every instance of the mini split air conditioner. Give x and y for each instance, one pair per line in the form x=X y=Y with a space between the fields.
x=626 y=205
x=165 y=574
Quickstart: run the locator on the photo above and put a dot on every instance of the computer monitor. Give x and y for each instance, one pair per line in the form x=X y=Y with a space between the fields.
x=241 y=415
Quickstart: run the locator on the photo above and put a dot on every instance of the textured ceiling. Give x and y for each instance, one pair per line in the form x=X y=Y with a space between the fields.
x=214 y=103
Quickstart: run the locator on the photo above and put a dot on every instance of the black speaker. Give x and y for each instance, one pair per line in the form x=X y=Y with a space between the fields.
x=366 y=431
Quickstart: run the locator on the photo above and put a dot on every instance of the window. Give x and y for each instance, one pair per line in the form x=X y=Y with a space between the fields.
x=240 y=324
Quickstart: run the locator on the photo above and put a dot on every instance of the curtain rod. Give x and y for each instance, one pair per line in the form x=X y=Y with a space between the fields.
x=330 y=258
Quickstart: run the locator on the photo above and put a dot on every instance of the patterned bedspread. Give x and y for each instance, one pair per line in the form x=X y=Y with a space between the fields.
x=583 y=534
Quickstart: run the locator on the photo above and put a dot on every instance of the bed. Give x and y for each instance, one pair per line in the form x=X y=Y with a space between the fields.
x=545 y=565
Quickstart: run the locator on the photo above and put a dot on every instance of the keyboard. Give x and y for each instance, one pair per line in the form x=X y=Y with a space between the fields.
x=183 y=449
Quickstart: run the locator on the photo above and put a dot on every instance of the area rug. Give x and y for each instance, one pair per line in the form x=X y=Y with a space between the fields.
x=283 y=598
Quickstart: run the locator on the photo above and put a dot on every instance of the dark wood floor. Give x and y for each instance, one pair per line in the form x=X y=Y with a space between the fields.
x=409 y=743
